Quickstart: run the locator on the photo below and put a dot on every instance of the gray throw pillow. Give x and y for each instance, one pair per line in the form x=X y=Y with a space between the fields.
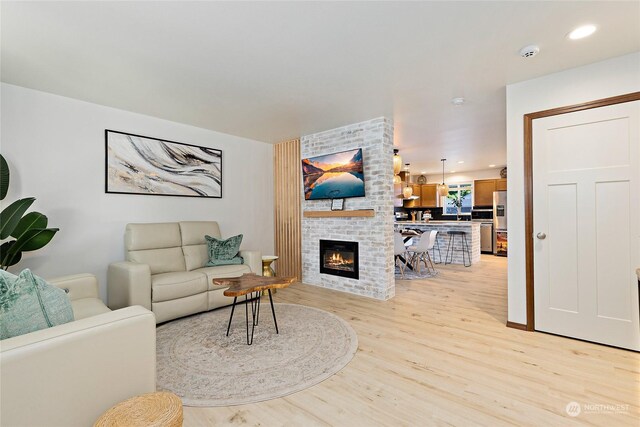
x=223 y=252
x=28 y=303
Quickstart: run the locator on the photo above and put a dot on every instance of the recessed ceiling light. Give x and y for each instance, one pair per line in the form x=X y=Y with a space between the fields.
x=452 y=171
x=582 y=32
x=461 y=162
x=492 y=166
x=457 y=101
x=423 y=172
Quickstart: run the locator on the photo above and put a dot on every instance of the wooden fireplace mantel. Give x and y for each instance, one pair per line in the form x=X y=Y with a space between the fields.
x=343 y=214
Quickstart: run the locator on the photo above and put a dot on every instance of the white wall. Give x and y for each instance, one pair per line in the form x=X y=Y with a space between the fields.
x=595 y=81
x=56 y=152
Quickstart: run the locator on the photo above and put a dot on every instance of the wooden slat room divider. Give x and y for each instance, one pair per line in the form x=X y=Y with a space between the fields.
x=288 y=179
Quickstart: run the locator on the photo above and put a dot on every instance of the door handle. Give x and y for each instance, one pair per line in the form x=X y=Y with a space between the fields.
x=541 y=236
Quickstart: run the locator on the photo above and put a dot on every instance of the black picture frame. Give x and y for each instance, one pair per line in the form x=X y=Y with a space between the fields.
x=337 y=204
x=145 y=165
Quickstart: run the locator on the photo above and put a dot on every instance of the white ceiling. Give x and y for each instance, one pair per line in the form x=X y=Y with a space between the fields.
x=276 y=70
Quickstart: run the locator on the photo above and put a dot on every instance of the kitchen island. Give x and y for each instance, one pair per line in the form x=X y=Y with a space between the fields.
x=443 y=227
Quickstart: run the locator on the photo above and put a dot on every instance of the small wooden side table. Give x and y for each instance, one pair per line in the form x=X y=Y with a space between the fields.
x=159 y=409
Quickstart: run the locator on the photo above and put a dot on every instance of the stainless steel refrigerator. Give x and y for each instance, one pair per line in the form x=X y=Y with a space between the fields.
x=500 y=223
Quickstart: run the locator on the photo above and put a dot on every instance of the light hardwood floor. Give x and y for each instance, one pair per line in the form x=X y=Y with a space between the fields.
x=439 y=354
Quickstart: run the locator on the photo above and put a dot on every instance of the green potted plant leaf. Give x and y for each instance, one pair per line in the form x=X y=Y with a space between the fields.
x=457 y=200
x=19 y=231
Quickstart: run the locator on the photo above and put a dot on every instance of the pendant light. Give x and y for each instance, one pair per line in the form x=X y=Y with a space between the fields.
x=407 y=191
x=443 y=189
x=397 y=165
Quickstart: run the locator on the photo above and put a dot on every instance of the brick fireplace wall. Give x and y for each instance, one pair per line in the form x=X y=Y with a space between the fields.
x=374 y=235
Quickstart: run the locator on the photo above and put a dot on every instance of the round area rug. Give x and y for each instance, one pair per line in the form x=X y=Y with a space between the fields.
x=196 y=361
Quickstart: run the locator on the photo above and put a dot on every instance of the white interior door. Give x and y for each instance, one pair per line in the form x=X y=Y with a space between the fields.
x=586 y=201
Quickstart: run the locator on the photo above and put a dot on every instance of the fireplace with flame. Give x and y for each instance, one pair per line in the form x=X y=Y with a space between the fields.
x=339 y=258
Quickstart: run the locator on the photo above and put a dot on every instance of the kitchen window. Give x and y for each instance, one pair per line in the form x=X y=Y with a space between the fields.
x=462 y=191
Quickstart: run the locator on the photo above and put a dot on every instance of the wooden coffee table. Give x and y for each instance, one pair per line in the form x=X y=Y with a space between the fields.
x=251 y=285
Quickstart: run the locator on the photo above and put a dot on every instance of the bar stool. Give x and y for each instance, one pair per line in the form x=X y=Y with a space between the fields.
x=464 y=247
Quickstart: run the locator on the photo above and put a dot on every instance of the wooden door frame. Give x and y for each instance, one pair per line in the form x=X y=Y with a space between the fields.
x=528 y=185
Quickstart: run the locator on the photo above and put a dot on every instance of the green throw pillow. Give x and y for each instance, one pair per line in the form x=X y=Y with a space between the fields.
x=234 y=260
x=223 y=252
x=28 y=303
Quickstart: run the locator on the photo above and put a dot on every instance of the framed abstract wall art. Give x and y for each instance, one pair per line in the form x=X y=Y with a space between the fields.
x=138 y=164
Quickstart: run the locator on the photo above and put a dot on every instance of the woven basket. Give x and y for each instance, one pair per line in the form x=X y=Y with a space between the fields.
x=160 y=409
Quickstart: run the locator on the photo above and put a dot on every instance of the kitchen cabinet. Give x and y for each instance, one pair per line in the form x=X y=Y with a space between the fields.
x=416 y=193
x=429 y=195
x=483 y=190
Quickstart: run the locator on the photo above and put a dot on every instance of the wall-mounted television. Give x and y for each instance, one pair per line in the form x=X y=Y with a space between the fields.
x=334 y=176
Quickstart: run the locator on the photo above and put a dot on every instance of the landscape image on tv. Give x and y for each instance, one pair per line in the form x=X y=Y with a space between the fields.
x=334 y=176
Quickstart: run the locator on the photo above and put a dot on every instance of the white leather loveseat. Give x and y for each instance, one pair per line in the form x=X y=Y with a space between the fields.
x=165 y=270
x=68 y=375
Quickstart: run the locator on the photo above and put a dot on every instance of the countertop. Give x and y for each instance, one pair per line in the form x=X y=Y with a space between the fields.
x=459 y=223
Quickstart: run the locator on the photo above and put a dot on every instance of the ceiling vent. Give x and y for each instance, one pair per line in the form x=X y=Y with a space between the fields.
x=529 y=51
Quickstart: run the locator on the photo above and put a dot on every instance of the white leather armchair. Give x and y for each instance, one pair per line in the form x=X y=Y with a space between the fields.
x=68 y=375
